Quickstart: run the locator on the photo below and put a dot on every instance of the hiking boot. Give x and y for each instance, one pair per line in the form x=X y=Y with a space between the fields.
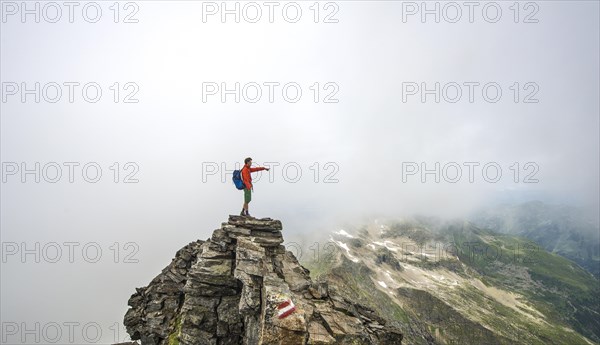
x=247 y=214
x=242 y=213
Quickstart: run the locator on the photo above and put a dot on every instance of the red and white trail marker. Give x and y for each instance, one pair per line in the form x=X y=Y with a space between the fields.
x=285 y=308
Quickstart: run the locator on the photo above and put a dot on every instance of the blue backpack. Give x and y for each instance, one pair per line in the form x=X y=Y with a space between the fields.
x=237 y=179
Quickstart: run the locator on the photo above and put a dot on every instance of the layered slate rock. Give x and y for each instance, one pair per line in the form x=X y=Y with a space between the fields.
x=241 y=286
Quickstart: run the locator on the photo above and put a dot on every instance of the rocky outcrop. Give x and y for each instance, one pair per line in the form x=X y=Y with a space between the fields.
x=242 y=287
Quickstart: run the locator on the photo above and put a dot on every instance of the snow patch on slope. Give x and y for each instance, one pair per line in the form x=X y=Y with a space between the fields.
x=345 y=247
x=344 y=233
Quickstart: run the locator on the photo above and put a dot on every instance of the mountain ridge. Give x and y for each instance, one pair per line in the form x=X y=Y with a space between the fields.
x=562 y=229
x=411 y=281
x=453 y=282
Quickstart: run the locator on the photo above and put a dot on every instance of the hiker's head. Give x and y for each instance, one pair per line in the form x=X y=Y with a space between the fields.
x=248 y=161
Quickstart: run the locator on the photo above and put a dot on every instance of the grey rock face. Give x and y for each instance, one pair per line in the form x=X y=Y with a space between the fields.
x=242 y=287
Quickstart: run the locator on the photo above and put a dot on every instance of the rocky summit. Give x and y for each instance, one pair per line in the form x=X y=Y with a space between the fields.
x=241 y=286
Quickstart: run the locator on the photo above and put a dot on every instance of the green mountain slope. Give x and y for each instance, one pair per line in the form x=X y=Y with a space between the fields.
x=453 y=283
x=564 y=230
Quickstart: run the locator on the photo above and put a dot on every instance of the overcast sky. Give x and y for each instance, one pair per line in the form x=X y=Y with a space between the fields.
x=352 y=141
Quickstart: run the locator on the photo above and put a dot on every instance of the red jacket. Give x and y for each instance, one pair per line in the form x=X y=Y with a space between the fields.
x=246 y=178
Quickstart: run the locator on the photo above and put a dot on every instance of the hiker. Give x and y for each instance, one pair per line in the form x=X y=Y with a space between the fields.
x=247 y=179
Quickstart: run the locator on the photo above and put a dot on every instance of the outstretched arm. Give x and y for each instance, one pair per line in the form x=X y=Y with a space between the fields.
x=258 y=169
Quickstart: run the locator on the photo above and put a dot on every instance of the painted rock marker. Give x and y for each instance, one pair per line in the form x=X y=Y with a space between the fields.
x=285 y=308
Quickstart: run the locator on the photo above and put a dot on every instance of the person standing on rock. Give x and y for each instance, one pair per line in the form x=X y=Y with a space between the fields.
x=247 y=179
